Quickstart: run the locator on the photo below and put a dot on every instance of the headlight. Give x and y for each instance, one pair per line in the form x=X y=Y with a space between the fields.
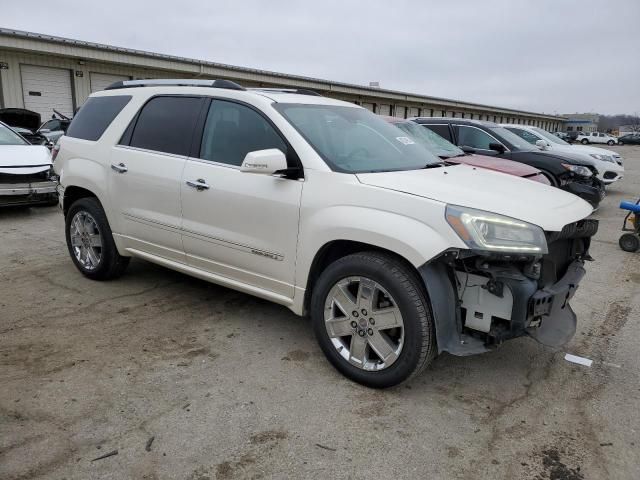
x=482 y=230
x=578 y=170
x=604 y=158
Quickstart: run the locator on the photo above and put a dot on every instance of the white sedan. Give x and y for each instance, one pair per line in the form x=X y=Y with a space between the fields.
x=608 y=163
x=26 y=171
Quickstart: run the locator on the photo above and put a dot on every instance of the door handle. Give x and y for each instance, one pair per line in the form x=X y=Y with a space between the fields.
x=120 y=168
x=199 y=184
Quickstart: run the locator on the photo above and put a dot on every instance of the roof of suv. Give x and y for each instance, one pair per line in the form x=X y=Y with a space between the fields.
x=215 y=87
x=457 y=120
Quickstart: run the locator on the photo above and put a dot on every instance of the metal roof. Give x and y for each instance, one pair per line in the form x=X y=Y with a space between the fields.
x=374 y=91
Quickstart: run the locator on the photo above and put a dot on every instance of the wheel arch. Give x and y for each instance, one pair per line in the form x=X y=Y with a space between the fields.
x=337 y=249
x=73 y=193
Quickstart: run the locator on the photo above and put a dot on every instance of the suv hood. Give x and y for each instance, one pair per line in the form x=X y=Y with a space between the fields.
x=24 y=159
x=497 y=164
x=549 y=208
x=584 y=149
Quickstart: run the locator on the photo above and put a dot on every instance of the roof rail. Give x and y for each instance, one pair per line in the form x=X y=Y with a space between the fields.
x=299 y=91
x=178 y=82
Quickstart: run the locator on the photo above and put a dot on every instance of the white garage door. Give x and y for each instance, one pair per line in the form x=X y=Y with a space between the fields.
x=384 y=109
x=368 y=106
x=400 y=111
x=100 y=81
x=46 y=88
x=414 y=112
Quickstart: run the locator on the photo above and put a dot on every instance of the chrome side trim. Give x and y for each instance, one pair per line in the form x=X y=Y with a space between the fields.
x=208 y=238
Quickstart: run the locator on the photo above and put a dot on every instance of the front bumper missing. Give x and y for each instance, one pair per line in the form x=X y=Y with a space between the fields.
x=28 y=193
x=543 y=314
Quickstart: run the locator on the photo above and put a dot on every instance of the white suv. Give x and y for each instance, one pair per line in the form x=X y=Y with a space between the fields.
x=596 y=137
x=323 y=207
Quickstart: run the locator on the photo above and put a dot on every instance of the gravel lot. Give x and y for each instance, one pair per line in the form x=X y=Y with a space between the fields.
x=231 y=386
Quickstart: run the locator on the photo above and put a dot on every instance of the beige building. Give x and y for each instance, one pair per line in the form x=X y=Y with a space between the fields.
x=42 y=73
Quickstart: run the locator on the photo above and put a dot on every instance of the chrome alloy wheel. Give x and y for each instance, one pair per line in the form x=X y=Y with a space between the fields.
x=364 y=323
x=86 y=240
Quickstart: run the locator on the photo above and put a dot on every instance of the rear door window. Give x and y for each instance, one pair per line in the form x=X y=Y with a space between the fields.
x=474 y=137
x=95 y=116
x=442 y=130
x=167 y=124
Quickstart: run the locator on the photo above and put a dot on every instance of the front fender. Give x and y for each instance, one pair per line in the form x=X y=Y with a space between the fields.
x=413 y=240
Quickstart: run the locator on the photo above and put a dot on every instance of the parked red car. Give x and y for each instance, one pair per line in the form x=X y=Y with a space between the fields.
x=449 y=152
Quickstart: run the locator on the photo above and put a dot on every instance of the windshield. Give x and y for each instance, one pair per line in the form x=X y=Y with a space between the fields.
x=430 y=140
x=354 y=140
x=516 y=142
x=8 y=137
x=549 y=136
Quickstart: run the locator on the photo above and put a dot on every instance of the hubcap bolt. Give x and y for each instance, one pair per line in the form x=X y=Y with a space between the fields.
x=364 y=312
x=372 y=321
x=370 y=331
x=354 y=313
x=354 y=324
x=361 y=333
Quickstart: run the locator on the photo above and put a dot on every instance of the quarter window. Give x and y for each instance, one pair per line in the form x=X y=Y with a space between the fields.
x=166 y=124
x=95 y=116
x=474 y=138
x=233 y=130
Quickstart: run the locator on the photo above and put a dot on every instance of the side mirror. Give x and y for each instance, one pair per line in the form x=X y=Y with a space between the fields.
x=497 y=147
x=541 y=144
x=266 y=162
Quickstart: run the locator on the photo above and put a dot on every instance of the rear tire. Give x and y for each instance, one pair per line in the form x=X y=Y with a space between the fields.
x=629 y=242
x=389 y=285
x=90 y=241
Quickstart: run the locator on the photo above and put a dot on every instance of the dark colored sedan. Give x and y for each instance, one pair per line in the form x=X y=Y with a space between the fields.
x=630 y=139
x=488 y=138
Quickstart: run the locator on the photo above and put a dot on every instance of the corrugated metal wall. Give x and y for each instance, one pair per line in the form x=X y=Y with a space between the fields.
x=82 y=61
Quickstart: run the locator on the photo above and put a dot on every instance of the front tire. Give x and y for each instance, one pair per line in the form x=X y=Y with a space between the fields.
x=90 y=241
x=372 y=319
x=584 y=141
x=552 y=179
x=629 y=242
x=611 y=142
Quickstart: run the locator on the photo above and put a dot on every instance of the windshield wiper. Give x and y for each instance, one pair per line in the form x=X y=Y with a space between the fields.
x=437 y=164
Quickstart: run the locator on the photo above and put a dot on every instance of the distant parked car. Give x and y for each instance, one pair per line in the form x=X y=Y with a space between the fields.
x=55 y=127
x=561 y=135
x=28 y=124
x=607 y=162
x=25 y=122
x=26 y=171
x=629 y=139
x=488 y=138
x=596 y=137
x=452 y=154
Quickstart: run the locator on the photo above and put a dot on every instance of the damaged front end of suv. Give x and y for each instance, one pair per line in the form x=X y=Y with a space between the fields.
x=515 y=279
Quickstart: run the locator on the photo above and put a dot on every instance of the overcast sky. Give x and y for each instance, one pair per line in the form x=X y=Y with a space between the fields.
x=548 y=56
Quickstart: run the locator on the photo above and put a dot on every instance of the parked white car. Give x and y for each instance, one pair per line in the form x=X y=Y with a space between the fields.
x=609 y=164
x=321 y=206
x=26 y=171
x=596 y=137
